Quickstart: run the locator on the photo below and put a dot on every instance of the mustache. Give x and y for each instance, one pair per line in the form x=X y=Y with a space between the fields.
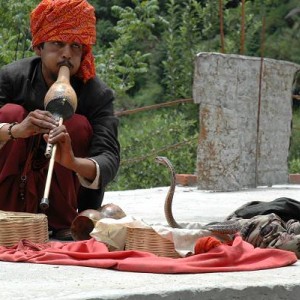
x=65 y=63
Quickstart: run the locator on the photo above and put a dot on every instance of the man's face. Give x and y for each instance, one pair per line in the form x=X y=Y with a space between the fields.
x=55 y=54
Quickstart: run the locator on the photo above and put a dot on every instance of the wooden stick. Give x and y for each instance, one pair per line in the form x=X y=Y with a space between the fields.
x=44 y=204
x=259 y=100
x=242 y=50
x=221 y=26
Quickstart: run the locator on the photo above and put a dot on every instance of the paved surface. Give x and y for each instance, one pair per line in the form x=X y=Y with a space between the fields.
x=31 y=281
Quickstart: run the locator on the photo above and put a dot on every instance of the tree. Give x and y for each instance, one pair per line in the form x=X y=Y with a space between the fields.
x=127 y=57
x=14 y=30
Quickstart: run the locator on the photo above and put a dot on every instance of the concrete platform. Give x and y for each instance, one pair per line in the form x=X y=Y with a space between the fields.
x=31 y=281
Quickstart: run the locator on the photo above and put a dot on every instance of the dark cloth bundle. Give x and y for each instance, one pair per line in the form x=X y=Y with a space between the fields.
x=283 y=207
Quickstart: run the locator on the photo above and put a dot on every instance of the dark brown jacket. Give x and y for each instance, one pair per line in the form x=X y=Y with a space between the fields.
x=22 y=83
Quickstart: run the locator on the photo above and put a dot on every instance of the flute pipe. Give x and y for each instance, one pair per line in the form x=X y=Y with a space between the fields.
x=48 y=151
x=45 y=201
x=50 y=171
x=44 y=204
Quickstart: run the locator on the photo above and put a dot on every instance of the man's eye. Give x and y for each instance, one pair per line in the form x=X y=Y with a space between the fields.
x=76 y=46
x=59 y=44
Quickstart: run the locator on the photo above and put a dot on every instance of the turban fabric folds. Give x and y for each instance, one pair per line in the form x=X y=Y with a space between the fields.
x=70 y=21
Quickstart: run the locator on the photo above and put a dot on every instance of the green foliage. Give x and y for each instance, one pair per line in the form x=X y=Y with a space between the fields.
x=145 y=51
x=127 y=57
x=144 y=136
x=294 y=166
x=294 y=152
x=178 y=50
x=120 y=70
x=282 y=42
x=151 y=91
x=14 y=30
x=143 y=44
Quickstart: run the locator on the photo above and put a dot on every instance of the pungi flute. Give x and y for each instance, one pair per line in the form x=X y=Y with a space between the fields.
x=61 y=101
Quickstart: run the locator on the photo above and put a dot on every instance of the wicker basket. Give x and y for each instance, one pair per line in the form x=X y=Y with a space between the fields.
x=146 y=239
x=15 y=226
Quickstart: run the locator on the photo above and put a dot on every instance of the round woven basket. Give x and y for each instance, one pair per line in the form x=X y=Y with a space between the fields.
x=146 y=239
x=15 y=226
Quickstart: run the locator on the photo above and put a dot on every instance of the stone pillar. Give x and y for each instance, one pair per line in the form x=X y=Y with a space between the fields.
x=245 y=116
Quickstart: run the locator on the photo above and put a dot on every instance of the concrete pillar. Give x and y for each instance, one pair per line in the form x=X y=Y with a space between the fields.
x=245 y=116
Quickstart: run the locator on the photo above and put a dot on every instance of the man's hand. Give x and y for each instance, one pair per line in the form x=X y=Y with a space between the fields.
x=65 y=156
x=64 y=153
x=36 y=122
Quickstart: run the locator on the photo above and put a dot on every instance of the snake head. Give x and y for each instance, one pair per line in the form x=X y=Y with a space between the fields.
x=161 y=160
x=165 y=161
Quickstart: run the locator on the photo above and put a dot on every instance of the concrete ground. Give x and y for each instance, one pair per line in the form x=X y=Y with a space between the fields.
x=32 y=281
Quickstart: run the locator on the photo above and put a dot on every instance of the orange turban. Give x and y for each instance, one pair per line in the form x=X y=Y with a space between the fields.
x=67 y=21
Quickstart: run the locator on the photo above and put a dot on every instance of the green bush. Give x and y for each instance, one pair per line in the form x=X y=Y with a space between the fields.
x=295 y=137
x=143 y=136
x=294 y=166
x=294 y=154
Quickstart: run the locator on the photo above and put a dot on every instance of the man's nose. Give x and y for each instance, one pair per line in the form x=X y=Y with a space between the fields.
x=67 y=51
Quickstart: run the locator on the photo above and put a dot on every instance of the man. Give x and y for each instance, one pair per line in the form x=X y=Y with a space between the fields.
x=87 y=156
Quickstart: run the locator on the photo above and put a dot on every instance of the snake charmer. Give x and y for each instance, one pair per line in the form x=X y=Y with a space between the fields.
x=87 y=148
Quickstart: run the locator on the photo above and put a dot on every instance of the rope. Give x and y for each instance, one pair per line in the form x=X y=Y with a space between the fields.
x=150 y=107
x=157 y=106
x=165 y=104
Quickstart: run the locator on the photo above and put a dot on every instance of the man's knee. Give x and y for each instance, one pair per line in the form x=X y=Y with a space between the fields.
x=80 y=131
x=10 y=113
x=78 y=124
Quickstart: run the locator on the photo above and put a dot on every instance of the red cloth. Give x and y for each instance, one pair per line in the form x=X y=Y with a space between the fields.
x=241 y=256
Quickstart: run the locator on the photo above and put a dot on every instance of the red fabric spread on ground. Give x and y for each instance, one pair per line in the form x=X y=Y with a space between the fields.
x=240 y=256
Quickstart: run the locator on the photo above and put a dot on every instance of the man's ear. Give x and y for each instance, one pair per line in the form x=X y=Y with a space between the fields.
x=37 y=50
